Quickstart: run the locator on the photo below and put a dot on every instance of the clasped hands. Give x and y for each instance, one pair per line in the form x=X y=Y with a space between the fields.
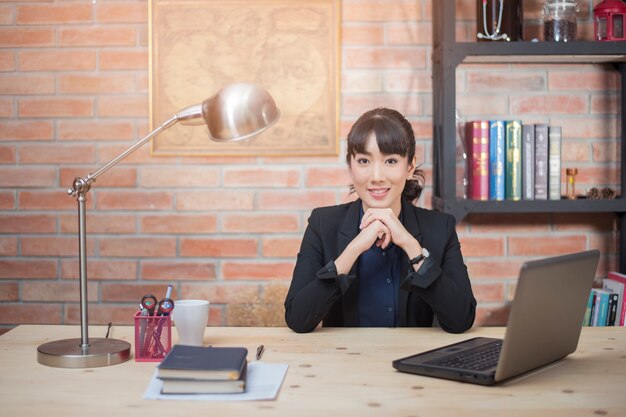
x=382 y=227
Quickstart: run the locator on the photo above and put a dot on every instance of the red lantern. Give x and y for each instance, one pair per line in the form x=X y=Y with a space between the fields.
x=608 y=20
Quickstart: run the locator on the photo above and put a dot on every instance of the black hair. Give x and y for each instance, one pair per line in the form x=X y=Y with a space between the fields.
x=394 y=135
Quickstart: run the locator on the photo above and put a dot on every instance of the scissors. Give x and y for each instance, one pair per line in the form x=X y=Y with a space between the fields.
x=149 y=302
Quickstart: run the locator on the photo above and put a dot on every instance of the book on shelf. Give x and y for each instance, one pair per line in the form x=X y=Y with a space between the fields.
x=554 y=162
x=496 y=159
x=620 y=278
x=541 y=162
x=205 y=386
x=611 y=311
x=513 y=170
x=528 y=162
x=600 y=307
x=618 y=289
x=198 y=362
x=477 y=138
x=589 y=309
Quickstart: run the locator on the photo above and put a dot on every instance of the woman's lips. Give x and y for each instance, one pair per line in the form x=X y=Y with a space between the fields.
x=378 y=193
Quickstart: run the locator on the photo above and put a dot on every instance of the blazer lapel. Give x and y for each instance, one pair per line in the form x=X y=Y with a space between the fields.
x=411 y=224
x=347 y=232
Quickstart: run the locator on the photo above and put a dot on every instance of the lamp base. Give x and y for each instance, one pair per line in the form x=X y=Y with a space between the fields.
x=67 y=353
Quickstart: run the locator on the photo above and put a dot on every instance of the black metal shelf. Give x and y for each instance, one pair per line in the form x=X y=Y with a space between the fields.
x=448 y=54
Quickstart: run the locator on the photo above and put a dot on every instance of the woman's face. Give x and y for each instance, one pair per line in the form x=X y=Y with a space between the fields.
x=379 y=179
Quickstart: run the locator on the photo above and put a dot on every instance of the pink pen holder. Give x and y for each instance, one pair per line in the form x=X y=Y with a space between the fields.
x=153 y=337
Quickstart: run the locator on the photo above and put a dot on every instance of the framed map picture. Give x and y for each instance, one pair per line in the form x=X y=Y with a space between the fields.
x=291 y=48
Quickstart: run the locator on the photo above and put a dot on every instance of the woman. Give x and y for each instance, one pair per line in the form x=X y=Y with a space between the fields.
x=380 y=261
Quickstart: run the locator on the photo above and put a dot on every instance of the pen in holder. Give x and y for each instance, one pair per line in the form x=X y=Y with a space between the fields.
x=153 y=337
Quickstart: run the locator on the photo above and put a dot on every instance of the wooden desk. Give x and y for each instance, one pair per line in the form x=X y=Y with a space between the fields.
x=332 y=372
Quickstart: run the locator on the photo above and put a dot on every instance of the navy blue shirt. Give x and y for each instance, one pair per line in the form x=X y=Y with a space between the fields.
x=379 y=285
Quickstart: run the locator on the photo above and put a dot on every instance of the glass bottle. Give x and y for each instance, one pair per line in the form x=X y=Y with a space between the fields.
x=559 y=20
x=570 y=185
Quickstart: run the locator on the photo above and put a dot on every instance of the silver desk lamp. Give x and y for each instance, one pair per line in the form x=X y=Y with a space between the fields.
x=237 y=111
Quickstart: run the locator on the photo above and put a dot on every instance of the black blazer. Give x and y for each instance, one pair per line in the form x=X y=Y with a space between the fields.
x=440 y=288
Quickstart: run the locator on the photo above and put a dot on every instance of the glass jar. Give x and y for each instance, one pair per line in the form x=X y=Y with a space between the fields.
x=559 y=20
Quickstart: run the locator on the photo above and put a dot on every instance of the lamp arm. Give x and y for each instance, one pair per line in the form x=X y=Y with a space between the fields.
x=82 y=184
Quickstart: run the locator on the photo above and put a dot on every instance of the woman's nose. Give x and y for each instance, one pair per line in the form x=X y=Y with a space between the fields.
x=377 y=172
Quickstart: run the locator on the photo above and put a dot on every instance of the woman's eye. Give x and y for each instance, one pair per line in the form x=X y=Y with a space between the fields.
x=362 y=161
x=392 y=161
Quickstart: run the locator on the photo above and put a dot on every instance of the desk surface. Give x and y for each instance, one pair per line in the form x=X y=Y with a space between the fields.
x=332 y=372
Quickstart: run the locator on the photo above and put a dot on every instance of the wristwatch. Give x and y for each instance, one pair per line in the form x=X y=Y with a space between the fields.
x=425 y=254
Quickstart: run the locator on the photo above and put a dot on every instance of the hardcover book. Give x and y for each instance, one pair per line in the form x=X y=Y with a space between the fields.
x=477 y=137
x=528 y=162
x=496 y=159
x=554 y=161
x=205 y=386
x=601 y=307
x=616 y=276
x=541 y=162
x=198 y=362
x=588 y=310
x=513 y=170
x=618 y=289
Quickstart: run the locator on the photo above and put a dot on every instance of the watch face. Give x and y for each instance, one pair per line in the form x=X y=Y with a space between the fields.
x=425 y=252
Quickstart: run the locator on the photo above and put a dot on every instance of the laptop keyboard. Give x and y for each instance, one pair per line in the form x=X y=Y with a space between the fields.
x=479 y=359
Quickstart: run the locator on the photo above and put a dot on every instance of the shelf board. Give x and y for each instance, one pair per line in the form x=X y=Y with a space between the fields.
x=540 y=52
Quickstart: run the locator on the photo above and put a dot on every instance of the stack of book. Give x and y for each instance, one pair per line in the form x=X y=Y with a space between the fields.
x=606 y=305
x=203 y=370
x=509 y=160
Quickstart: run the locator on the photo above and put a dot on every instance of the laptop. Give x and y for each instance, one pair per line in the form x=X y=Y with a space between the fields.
x=544 y=326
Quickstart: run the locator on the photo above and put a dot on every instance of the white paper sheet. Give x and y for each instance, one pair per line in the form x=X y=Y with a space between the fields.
x=262 y=383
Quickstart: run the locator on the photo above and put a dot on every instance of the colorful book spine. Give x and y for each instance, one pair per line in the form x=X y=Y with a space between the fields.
x=612 y=310
x=590 y=301
x=513 y=170
x=541 y=162
x=617 y=287
x=619 y=277
x=528 y=162
x=602 y=305
x=496 y=159
x=477 y=137
x=554 y=161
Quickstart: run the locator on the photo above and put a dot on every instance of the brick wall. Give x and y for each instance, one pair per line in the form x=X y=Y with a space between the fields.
x=74 y=93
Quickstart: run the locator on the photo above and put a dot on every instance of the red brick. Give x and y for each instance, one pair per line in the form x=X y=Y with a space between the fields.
x=606 y=152
x=8 y=245
x=141 y=156
x=103 y=314
x=99 y=223
x=27 y=84
x=7 y=61
x=148 y=247
x=179 y=176
x=97 y=36
x=116 y=177
x=94 y=130
x=53 y=13
x=102 y=83
x=27 y=268
x=55 y=291
x=583 y=223
x=178 y=224
x=112 y=291
x=131 y=59
x=582 y=80
x=26 y=130
x=101 y=269
x=281 y=247
x=383 y=58
x=55 y=154
x=260 y=223
x=604 y=104
x=359 y=34
x=9 y=291
x=575 y=151
x=261 y=177
x=24 y=176
x=327 y=176
x=13 y=37
x=546 y=245
x=509 y=223
x=494 y=81
x=494 y=269
x=8 y=154
x=361 y=82
x=586 y=127
x=223 y=248
x=7 y=17
x=7 y=200
x=595 y=177
x=403 y=81
x=221 y=293
x=482 y=246
x=176 y=271
x=290 y=200
x=555 y=104
x=256 y=270
x=379 y=10
x=56 y=60
x=358 y=104
x=488 y=292
x=53 y=246
x=483 y=105
x=492 y=315
x=55 y=107
x=28 y=223
x=122 y=12
x=418 y=33
x=31 y=313
x=6 y=109
x=215 y=200
x=215 y=316
x=48 y=200
x=123 y=106
x=133 y=200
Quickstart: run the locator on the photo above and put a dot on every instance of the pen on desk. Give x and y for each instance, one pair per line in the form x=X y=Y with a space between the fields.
x=259 y=352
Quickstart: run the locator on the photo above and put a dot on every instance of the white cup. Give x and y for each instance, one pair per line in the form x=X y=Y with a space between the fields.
x=191 y=318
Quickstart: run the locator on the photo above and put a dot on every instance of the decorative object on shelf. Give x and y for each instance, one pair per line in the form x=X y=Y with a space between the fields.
x=499 y=20
x=570 y=186
x=559 y=20
x=461 y=157
x=237 y=111
x=605 y=193
x=609 y=18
